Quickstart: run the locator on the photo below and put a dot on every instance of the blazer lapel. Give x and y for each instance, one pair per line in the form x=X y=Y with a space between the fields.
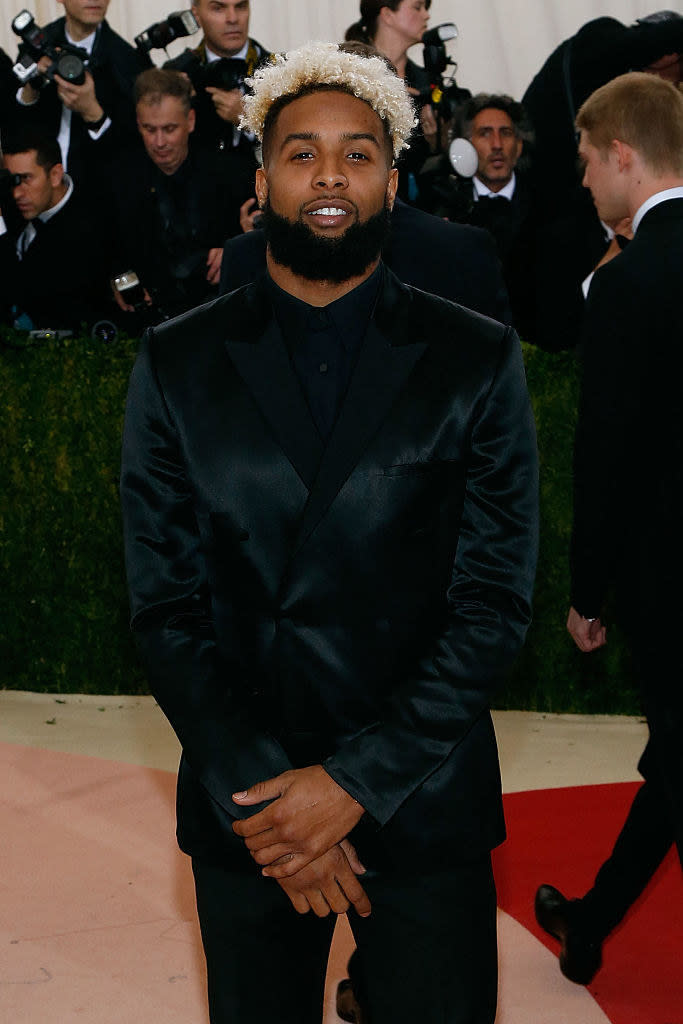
x=260 y=356
x=386 y=361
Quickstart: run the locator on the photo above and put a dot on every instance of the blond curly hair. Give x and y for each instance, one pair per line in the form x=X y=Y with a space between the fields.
x=328 y=65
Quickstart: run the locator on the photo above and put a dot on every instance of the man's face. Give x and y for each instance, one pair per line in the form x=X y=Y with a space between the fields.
x=602 y=176
x=327 y=152
x=38 y=189
x=165 y=128
x=225 y=24
x=497 y=145
x=86 y=14
x=327 y=185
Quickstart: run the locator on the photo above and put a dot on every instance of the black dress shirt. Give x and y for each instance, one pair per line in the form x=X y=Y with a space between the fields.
x=324 y=343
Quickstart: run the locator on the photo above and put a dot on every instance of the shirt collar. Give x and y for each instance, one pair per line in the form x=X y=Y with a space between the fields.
x=47 y=215
x=85 y=44
x=655 y=200
x=211 y=56
x=345 y=315
x=507 y=192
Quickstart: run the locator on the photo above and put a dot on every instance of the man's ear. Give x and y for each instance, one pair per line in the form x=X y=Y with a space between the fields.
x=392 y=187
x=191 y=119
x=261 y=186
x=623 y=153
x=56 y=175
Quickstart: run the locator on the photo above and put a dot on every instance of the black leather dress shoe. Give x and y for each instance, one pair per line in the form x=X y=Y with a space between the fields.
x=581 y=952
x=347 y=1004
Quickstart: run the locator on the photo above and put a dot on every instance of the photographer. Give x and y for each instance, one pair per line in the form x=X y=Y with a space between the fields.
x=97 y=113
x=173 y=204
x=498 y=197
x=53 y=256
x=392 y=27
x=217 y=69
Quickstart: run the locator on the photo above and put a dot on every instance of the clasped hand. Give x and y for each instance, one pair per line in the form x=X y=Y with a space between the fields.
x=300 y=839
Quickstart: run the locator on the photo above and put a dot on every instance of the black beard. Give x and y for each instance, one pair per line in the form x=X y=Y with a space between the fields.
x=315 y=257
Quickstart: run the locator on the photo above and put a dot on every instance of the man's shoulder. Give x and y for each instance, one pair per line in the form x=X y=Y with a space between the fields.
x=227 y=318
x=112 y=40
x=452 y=331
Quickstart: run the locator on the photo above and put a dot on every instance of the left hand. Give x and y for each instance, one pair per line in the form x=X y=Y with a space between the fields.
x=228 y=103
x=309 y=815
x=213 y=265
x=588 y=634
x=82 y=99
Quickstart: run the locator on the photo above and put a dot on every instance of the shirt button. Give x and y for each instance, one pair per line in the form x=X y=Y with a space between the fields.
x=323 y=367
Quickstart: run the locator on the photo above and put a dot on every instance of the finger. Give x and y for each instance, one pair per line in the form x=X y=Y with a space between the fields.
x=256 y=794
x=298 y=901
x=354 y=860
x=289 y=864
x=335 y=898
x=252 y=826
x=319 y=904
x=354 y=892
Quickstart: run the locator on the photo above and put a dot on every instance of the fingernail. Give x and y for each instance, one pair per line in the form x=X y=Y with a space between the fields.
x=239 y=796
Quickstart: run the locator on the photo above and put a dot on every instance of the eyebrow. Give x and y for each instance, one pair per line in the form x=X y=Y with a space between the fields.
x=344 y=137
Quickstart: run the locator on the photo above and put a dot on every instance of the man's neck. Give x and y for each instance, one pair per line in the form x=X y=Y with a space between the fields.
x=315 y=293
x=645 y=188
x=78 y=31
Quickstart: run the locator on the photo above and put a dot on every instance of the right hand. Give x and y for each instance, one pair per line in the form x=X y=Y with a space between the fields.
x=329 y=883
x=28 y=93
x=248 y=213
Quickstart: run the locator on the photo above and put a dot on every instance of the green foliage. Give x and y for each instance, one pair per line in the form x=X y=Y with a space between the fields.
x=63 y=605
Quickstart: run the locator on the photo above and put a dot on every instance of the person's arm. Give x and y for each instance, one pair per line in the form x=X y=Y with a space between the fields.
x=202 y=695
x=429 y=715
x=604 y=441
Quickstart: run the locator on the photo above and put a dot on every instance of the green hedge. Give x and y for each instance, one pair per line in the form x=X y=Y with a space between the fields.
x=63 y=606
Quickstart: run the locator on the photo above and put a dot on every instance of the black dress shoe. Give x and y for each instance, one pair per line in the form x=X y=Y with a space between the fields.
x=347 y=1004
x=581 y=952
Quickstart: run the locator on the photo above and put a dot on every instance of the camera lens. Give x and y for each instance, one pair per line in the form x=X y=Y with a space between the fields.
x=104 y=330
x=71 y=68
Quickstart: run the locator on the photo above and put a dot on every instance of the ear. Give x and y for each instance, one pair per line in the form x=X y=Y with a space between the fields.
x=261 y=186
x=191 y=119
x=623 y=154
x=56 y=175
x=392 y=187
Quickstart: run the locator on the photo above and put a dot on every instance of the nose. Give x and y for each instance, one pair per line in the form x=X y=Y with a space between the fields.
x=328 y=175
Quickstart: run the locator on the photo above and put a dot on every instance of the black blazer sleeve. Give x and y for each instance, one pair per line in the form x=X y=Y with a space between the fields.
x=171 y=617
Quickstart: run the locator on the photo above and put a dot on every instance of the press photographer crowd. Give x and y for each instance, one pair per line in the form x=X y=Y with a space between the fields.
x=126 y=186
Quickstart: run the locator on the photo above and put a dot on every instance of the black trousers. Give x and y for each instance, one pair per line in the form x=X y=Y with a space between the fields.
x=427 y=953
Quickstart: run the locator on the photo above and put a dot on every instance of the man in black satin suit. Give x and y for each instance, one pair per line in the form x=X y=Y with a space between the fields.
x=628 y=504
x=329 y=496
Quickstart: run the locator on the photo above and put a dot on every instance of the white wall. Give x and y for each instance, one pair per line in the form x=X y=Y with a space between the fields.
x=502 y=43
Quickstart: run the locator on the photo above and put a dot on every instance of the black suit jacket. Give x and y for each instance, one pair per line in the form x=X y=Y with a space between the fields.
x=62 y=280
x=458 y=263
x=629 y=442
x=354 y=606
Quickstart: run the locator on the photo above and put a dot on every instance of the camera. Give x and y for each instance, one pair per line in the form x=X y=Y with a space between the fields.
x=158 y=36
x=67 y=61
x=133 y=293
x=226 y=73
x=444 y=95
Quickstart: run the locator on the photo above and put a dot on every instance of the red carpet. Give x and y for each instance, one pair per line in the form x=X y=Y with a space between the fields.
x=561 y=837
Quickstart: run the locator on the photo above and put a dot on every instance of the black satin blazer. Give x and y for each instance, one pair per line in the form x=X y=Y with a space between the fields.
x=354 y=605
